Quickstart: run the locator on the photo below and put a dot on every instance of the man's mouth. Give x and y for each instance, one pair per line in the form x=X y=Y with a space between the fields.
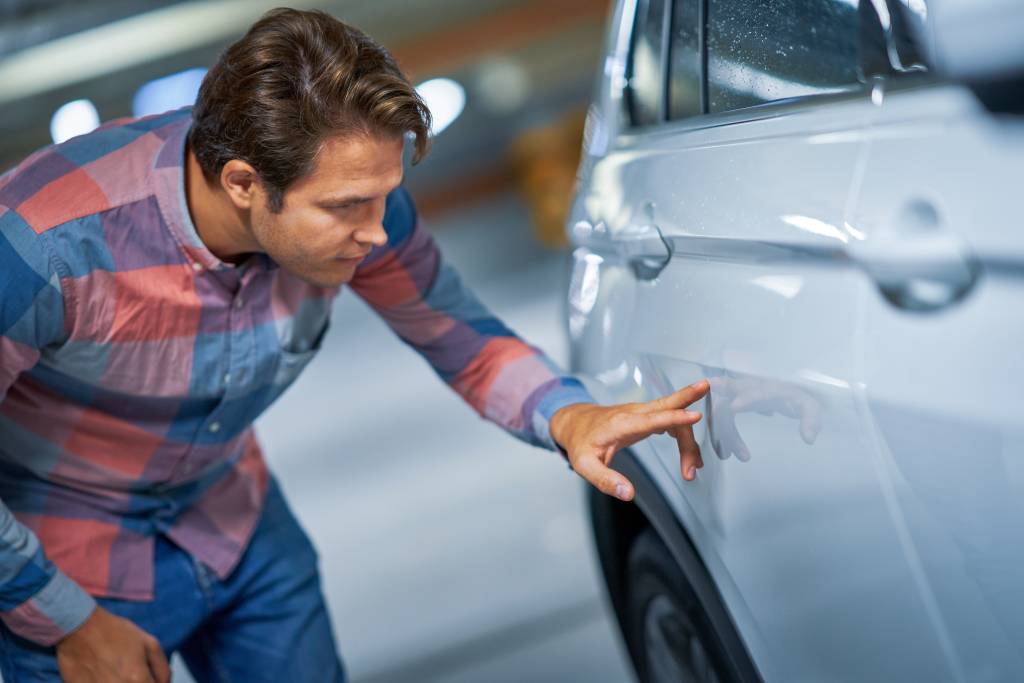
x=358 y=257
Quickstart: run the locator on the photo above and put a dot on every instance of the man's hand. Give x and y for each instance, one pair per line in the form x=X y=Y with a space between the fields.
x=109 y=648
x=592 y=434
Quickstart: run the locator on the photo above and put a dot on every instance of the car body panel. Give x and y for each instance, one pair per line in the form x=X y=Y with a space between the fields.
x=794 y=515
x=944 y=390
x=821 y=520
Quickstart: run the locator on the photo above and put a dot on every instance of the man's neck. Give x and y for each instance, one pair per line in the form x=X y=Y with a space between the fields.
x=220 y=225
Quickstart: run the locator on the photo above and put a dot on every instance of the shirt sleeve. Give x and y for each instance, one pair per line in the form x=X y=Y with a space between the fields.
x=504 y=379
x=37 y=600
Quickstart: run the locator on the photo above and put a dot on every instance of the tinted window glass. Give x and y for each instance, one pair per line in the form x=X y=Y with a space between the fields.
x=764 y=51
x=684 y=61
x=646 y=84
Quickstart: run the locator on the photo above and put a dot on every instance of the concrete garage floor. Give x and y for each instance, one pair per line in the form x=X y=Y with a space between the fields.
x=450 y=552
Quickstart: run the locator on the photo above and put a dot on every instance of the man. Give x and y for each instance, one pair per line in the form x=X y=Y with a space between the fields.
x=163 y=281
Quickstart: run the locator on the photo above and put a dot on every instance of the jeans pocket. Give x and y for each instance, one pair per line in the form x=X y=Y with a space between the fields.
x=22 y=660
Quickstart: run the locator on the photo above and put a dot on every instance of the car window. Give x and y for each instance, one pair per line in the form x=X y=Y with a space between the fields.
x=645 y=82
x=684 y=83
x=764 y=51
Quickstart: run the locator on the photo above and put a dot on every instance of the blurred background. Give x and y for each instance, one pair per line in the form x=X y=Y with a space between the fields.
x=449 y=551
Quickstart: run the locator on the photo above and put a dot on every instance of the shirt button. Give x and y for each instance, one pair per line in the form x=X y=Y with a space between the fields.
x=197 y=267
x=238 y=302
x=227 y=377
x=215 y=427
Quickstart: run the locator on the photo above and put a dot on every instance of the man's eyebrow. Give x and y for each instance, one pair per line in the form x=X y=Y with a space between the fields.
x=353 y=199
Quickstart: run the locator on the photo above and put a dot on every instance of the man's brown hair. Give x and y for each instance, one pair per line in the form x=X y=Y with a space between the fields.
x=295 y=78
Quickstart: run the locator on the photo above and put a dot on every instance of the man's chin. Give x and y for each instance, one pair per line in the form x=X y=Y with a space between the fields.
x=336 y=275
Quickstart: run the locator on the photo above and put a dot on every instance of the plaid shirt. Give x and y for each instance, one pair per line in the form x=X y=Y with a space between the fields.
x=133 y=363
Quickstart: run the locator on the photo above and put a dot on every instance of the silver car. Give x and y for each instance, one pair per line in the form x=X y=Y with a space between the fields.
x=819 y=205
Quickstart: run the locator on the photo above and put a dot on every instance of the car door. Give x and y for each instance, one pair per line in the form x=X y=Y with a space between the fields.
x=939 y=213
x=714 y=243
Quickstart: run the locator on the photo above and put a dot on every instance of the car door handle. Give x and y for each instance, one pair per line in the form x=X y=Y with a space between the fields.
x=918 y=265
x=641 y=246
x=645 y=249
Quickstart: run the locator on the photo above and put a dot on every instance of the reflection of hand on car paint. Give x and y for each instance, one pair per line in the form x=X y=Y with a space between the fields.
x=731 y=396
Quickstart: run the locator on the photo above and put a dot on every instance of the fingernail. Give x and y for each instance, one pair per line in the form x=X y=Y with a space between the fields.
x=698 y=384
x=621 y=491
x=694 y=413
x=692 y=472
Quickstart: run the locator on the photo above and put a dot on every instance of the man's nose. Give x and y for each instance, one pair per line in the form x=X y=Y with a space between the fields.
x=375 y=235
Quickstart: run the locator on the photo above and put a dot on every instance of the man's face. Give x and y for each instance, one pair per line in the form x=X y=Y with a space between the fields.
x=333 y=216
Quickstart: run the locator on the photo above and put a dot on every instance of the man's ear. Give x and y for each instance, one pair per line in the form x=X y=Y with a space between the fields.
x=241 y=183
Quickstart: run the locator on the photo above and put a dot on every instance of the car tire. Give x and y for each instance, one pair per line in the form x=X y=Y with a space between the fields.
x=673 y=640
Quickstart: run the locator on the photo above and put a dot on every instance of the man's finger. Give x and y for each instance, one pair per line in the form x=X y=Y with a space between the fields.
x=680 y=398
x=604 y=478
x=690 y=459
x=630 y=428
x=158 y=666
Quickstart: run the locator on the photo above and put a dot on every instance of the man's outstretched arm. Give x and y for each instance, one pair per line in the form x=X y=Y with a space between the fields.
x=503 y=378
x=423 y=299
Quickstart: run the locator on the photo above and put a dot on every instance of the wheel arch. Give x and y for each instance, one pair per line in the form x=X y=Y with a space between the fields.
x=617 y=524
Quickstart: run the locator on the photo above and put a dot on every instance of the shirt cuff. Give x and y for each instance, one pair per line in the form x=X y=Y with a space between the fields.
x=565 y=392
x=55 y=611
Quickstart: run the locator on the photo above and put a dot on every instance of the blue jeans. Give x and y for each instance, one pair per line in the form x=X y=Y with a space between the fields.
x=266 y=622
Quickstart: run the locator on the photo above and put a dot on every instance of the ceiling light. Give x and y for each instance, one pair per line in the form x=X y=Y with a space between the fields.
x=445 y=98
x=503 y=84
x=74 y=118
x=170 y=92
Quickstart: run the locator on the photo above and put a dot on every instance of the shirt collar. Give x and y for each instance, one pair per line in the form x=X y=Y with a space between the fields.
x=169 y=178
